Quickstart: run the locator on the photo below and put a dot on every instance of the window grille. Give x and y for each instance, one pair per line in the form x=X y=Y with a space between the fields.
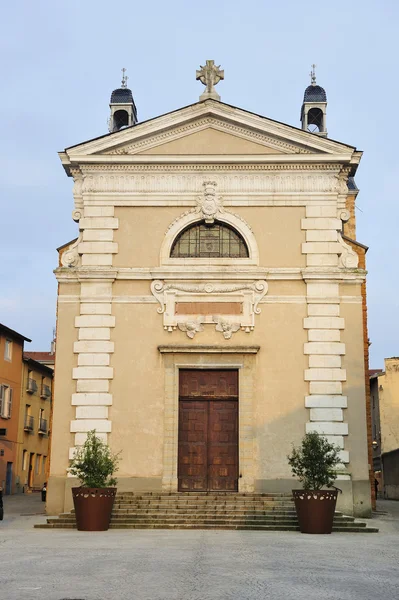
x=209 y=241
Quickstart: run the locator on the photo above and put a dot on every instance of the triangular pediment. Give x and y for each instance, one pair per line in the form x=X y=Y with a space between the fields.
x=206 y=136
x=207 y=128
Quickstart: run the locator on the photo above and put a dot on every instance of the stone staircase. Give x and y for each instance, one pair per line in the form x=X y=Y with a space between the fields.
x=265 y=512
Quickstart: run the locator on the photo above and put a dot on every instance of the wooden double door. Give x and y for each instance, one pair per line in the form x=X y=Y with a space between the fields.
x=208 y=430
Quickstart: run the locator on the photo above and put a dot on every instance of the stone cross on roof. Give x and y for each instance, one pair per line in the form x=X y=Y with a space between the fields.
x=210 y=75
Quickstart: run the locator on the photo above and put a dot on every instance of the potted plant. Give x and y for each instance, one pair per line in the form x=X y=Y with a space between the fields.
x=314 y=462
x=94 y=464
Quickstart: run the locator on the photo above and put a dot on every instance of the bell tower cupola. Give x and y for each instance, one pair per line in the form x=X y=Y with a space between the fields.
x=123 y=108
x=314 y=108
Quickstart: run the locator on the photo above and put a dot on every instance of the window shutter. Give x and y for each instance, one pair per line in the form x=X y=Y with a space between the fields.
x=9 y=403
x=1 y=401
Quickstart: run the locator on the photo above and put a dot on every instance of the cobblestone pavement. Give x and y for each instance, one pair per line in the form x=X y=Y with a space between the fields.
x=194 y=565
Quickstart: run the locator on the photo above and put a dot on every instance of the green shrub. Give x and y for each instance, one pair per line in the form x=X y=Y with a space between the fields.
x=94 y=463
x=314 y=462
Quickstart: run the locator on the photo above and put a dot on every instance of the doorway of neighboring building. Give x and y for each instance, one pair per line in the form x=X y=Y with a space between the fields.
x=208 y=430
x=9 y=478
x=31 y=470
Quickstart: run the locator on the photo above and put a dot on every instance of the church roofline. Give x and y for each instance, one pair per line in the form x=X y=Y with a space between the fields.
x=348 y=239
x=66 y=244
x=195 y=104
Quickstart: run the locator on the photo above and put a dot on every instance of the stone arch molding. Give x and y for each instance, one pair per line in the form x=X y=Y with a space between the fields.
x=209 y=208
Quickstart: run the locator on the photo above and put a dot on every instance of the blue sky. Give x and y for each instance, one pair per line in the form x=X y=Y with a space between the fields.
x=62 y=60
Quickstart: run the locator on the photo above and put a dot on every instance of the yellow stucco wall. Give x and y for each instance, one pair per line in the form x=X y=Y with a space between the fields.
x=277 y=231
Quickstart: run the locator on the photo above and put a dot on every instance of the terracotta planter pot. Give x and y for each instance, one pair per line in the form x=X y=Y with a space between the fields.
x=93 y=507
x=315 y=509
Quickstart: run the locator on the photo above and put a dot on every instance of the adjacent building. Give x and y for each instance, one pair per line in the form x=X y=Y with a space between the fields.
x=34 y=424
x=25 y=413
x=11 y=352
x=212 y=308
x=384 y=387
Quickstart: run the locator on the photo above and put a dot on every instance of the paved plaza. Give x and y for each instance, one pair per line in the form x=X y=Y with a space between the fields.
x=194 y=565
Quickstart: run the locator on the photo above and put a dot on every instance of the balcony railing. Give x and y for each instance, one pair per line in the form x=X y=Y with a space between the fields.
x=45 y=391
x=29 y=423
x=31 y=386
x=42 y=426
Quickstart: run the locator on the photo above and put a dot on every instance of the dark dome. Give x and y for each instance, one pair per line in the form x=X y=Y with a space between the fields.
x=315 y=93
x=122 y=96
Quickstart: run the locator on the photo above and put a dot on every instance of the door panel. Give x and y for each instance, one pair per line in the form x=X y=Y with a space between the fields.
x=223 y=445
x=193 y=437
x=198 y=383
x=208 y=430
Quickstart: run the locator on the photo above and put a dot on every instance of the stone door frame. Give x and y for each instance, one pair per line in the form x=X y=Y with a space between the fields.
x=209 y=357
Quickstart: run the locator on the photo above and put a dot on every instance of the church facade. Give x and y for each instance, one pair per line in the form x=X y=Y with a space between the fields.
x=211 y=310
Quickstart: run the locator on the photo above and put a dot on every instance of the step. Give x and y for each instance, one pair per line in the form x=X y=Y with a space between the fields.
x=217 y=516
x=218 y=513
x=245 y=527
x=195 y=503
x=202 y=510
x=355 y=528
x=201 y=495
x=251 y=519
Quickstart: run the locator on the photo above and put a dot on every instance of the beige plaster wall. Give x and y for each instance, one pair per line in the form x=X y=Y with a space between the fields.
x=69 y=289
x=355 y=414
x=389 y=405
x=137 y=412
x=280 y=413
x=210 y=141
x=277 y=231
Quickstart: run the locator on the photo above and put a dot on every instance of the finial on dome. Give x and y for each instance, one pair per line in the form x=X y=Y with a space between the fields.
x=124 y=79
x=313 y=75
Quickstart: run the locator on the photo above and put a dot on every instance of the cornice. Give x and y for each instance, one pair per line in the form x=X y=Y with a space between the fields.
x=210 y=272
x=192 y=168
x=216 y=110
x=332 y=274
x=216 y=349
x=253 y=179
x=209 y=122
x=211 y=159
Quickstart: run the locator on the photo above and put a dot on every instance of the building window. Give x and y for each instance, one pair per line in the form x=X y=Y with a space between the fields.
x=24 y=460
x=31 y=385
x=38 y=463
x=8 y=350
x=29 y=421
x=5 y=401
x=44 y=465
x=209 y=241
x=45 y=391
x=42 y=422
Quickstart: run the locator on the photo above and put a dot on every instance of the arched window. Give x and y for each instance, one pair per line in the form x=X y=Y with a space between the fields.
x=217 y=240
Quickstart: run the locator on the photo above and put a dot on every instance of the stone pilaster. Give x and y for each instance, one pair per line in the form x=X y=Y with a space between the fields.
x=94 y=326
x=324 y=325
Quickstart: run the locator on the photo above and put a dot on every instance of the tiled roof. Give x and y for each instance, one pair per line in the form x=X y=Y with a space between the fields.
x=13 y=334
x=47 y=357
x=373 y=372
x=315 y=93
x=122 y=96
